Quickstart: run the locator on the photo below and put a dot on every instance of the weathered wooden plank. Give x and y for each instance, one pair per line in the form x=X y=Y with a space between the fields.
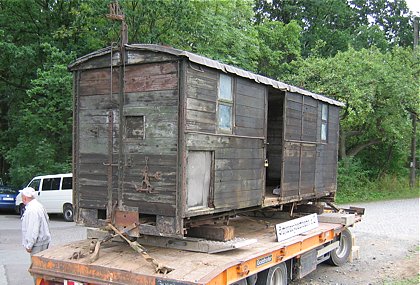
x=230 y=152
x=163 y=209
x=216 y=141
x=254 y=123
x=250 y=88
x=238 y=199
x=98 y=81
x=164 y=146
x=201 y=105
x=94 y=145
x=294 y=107
x=240 y=174
x=293 y=124
x=150 y=77
x=92 y=158
x=239 y=163
x=238 y=186
x=294 y=97
x=98 y=102
x=136 y=57
x=152 y=98
x=310 y=102
x=92 y=169
x=250 y=111
x=153 y=197
x=202 y=93
x=200 y=127
x=201 y=117
x=202 y=83
x=249 y=132
x=99 y=62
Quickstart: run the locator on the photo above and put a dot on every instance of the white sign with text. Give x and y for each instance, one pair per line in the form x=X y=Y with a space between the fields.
x=295 y=227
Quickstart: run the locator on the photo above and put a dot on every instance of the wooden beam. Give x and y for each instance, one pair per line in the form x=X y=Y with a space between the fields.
x=213 y=232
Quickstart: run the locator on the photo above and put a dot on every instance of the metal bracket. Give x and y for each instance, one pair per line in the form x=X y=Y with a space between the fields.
x=146 y=186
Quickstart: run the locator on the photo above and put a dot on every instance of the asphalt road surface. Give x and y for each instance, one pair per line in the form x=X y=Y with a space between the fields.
x=14 y=260
x=387 y=236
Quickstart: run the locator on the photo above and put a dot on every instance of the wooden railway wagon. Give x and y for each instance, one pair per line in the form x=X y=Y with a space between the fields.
x=175 y=138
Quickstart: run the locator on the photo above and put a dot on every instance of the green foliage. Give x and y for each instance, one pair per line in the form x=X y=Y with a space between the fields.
x=279 y=45
x=355 y=184
x=379 y=89
x=341 y=23
x=43 y=123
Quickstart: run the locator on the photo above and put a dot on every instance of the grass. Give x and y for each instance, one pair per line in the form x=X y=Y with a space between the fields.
x=386 y=188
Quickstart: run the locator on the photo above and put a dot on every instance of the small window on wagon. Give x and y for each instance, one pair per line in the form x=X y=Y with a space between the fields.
x=324 y=122
x=225 y=104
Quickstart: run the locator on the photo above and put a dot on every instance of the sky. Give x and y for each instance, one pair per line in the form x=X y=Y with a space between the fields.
x=414 y=6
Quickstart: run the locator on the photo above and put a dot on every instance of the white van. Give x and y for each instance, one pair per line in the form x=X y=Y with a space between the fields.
x=55 y=192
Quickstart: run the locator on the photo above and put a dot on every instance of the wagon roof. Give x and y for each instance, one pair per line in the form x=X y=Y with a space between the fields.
x=212 y=64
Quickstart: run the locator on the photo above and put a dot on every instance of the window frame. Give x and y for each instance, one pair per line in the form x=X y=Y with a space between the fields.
x=324 y=123
x=52 y=181
x=227 y=101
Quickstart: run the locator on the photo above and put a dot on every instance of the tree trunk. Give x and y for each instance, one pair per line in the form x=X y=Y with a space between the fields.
x=342 y=145
x=386 y=164
x=355 y=150
x=413 y=153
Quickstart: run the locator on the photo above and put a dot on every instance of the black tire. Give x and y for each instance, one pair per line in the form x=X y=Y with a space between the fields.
x=276 y=275
x=68 y=213
x=340 y=255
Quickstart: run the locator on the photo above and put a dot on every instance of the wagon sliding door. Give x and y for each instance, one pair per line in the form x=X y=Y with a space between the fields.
x=300 y=147
x=199 y=179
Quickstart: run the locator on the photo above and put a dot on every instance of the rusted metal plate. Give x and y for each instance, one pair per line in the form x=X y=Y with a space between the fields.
x=126 y=221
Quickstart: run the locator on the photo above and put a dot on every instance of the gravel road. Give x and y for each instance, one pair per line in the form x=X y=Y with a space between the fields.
x=388 y=237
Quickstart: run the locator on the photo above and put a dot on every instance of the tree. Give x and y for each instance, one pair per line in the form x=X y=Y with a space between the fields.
x=379 y=89
x=221 y=30
x=279 y=44
x=43 y=124
x=329 y=26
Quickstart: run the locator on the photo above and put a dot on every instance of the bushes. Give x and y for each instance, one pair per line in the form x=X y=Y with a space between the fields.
x=355 y=184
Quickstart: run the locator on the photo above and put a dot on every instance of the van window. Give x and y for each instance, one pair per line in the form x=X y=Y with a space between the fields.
x=51 y=184
x=67 y=183
x=35 y=184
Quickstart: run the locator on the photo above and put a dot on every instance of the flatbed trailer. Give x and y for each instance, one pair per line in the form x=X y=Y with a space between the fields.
x=266 y=261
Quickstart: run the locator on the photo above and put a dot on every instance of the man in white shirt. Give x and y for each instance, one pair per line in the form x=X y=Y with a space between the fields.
x=35 y=223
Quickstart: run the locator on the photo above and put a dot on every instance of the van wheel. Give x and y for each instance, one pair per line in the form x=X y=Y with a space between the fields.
x=340 y=255
x=68 y=213
x=276 y=275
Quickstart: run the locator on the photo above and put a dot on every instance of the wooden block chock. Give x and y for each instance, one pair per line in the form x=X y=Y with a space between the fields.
x=354 y=254
x=355 y=250
x=212 y=232
x=337 y=218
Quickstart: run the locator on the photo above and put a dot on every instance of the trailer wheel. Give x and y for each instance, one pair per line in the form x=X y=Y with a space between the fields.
x=276 y=275
x=68 y=213
x=340 y=255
